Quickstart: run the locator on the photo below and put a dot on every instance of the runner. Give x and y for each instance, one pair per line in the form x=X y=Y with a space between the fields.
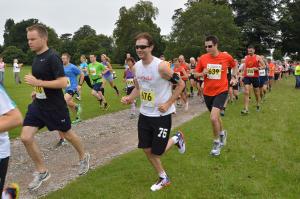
x=129 y=79
x=271 y=74
x=107 y=74
x=153 y=82
x=83 y=67
x=263 y=79
x=193 y=81
x=181 y=73
x=184 y=65
x=10 y=117
x=49 y=107
x=71 y=72
x=213 y=66
x=297 y=76
x=253 y=63
x=17 y=70
x=95 y=70
x=2 y=70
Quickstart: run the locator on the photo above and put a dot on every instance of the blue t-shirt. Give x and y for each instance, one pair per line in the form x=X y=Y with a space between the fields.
x=72 y=72
x=84 y=65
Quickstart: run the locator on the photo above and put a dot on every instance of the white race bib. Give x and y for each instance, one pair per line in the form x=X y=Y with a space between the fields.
x=93 y=71
x=250 y=72
x=147 y=98
x=130 y=82
x=40 y=93
x=214 y=71
x=262 y=72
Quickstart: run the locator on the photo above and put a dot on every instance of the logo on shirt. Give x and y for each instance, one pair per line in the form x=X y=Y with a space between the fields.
x=41 y=60
x=145 y=78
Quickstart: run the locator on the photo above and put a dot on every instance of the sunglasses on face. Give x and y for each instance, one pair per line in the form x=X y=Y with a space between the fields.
x=209 y=46
x=141 y=47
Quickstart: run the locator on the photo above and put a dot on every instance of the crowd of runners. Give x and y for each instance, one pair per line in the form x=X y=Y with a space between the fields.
x=215 y=78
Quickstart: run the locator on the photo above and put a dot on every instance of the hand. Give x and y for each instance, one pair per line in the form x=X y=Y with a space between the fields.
x=33 y=95
x=126 y=100
x=164 y=107
x=31 y=80
x=233 y=81
x=205 y=71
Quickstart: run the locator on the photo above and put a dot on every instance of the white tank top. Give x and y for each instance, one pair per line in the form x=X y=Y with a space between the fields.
x=154 y=90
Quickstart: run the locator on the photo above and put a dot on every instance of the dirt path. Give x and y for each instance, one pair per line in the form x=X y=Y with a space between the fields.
x=105 y=137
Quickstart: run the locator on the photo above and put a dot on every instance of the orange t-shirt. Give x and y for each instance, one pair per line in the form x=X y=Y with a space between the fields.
x=186 y=68
x=215 y=82
x=251 y=62
x=271 y=69
x=179 y=71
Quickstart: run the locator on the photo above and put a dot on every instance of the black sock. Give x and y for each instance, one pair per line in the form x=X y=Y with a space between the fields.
x=192 y=89
x=117 y=91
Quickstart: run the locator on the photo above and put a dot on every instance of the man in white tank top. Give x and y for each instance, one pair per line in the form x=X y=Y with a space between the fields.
x=153 y=83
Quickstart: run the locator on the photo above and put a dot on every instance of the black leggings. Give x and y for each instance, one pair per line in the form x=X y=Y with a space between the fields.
x=3 y=170
x=88 y=81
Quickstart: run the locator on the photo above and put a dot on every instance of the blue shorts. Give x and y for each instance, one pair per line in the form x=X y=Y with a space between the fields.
x=52 y=119
x=263 y=80
x=251 y=80
x=71 y=92
x=97 y=86
x=109 y=78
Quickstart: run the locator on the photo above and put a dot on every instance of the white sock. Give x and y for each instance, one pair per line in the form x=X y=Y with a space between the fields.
x=163 y=175
x=217 y=140
x=175 y=139
x=222 y=133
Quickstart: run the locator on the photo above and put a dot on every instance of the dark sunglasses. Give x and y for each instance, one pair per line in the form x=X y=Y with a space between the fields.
x=141 y=47
x=209 y=46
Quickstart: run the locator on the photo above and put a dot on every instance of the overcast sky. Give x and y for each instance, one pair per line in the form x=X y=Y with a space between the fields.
x=67 y=16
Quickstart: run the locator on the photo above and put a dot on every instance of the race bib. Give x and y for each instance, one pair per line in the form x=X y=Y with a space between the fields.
x=93 y=71
x=214 y=71
x=40 y=93
x=147 y=98
x=262 y=72
x=250 y=72
x=130 y=82
x=68 y=82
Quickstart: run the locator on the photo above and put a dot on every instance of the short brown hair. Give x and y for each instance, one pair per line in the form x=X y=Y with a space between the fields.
x=214 y=39
x=145 y=35
x=41 y=29
x=130 y=59
x=67 y=55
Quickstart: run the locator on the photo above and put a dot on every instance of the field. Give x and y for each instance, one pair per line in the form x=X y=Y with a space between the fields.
x=261 y=159
x=21 y=95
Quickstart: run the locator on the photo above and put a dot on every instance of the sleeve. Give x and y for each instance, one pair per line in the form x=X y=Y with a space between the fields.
x=6 y=104
x=56 y=66
x=231 y=61
x=199 y=67
x=76 y=70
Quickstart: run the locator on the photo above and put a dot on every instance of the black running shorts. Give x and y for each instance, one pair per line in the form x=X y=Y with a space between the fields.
x=217 y=101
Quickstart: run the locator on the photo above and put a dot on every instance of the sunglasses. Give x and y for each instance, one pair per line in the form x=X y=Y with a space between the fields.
x=209 y=46
x=141 y=47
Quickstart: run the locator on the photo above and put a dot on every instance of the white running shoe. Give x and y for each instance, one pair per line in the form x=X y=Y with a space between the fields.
x=223 y=139
x=181 y=143
x=38 y=179
x=84 y=164
x=216 y=150
x=161 y=183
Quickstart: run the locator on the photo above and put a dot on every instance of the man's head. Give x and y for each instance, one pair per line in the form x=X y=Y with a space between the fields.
x=144 y=45
x=93 y=58
x=37 y=36
x=251 y=50
x=211 y=44
x=65 y=57
x=181 y=59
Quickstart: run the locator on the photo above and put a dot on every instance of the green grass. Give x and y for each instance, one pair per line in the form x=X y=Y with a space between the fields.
x=261 y=159
x=21 y=95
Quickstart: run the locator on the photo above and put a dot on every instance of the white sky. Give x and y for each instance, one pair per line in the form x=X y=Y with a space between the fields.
x=67 y=16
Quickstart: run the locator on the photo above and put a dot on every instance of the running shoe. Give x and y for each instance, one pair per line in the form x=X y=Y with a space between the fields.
x=223 y=139
x=257 y=108
x=61 y=142
x=106 y=106
x=84 y=164
x=216 y=150
x=76 y=121
x=78 y=111
x=222 y=112
x=161 y=183
x=38 y=179
x=244 y=112
x=181 y=143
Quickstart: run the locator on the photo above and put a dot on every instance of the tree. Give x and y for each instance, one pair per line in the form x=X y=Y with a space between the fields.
x=197 y=21
x=132 y=21
x=290 y=29
x=83 y=32
x=12 y=52
x=257 y=22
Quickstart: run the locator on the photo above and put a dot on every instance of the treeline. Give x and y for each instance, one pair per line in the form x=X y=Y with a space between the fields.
x=266 y=24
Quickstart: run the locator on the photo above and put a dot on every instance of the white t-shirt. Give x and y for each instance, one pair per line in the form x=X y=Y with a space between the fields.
x=16 y=68
x=2 y=64
x=6 y=105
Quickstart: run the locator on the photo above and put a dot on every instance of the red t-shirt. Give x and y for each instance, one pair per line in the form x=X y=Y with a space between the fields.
x=186 y=68
x=271 y=69
x=215 y=82
x=179 y=71
x=251 y=62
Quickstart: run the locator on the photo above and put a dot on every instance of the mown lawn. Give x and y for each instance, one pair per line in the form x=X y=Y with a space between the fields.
x=261 y=159
x=21 y=95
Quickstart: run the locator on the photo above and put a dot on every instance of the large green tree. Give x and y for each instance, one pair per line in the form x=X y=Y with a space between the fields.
x=137 y=19
x=257 y=20
x=290 y=29
x=199 y=19
x=83 y=32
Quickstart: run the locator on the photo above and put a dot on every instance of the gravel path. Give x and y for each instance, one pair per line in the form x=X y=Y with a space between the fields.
x=104 y=137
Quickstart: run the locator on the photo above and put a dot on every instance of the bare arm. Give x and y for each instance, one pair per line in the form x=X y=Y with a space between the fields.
x=10 y=120
x=58 y=83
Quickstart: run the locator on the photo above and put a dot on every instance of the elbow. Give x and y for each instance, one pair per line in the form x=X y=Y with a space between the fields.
x=18 y=119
